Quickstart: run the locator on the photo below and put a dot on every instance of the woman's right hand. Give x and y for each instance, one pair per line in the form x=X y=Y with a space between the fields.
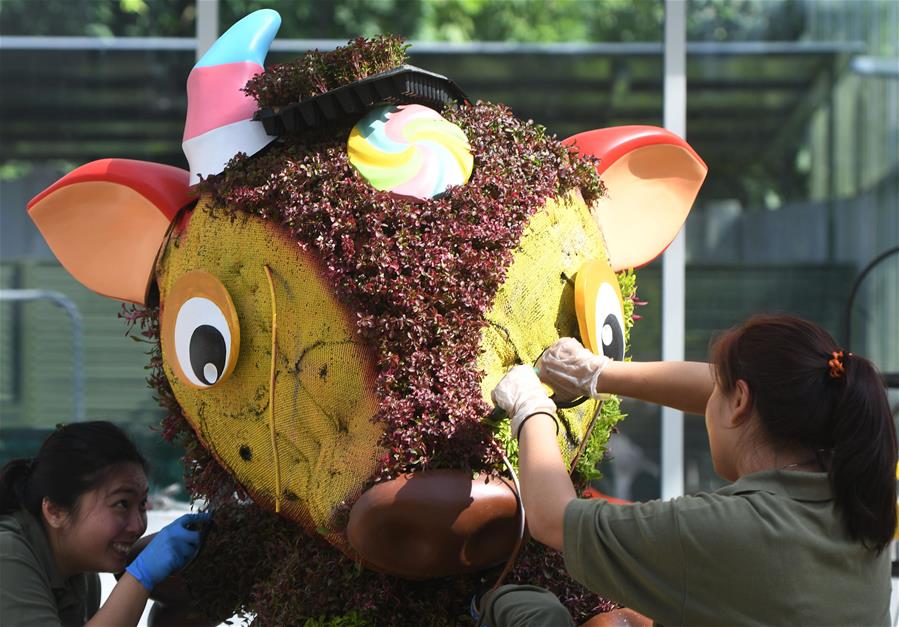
x=170 y=550
x=570 y=369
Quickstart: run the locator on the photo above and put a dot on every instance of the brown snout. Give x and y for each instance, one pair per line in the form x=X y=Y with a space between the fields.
x=435 y=523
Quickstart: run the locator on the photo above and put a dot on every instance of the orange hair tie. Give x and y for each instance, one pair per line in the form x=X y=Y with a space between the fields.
x=836 y=365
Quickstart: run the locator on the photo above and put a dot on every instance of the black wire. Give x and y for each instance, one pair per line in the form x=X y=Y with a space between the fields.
x=522 y=522
x=569 y=404
x=522 y=525
x=496 y=415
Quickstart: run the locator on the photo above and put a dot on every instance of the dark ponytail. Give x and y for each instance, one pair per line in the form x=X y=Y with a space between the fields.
x=863 y=470
x=73 y=460
x=808 y=393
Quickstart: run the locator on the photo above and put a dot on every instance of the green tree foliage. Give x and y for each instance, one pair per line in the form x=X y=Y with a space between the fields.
x=464 y=20
x=543 y=21
x=745 y=20
x=528 y=20
x=98 y=18
x=427 y=20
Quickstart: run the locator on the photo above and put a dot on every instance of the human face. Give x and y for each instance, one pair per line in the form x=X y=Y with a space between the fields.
x=107 y=521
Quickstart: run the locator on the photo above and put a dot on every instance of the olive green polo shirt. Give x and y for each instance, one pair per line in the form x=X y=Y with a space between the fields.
x=769 y=549
x=32 y=592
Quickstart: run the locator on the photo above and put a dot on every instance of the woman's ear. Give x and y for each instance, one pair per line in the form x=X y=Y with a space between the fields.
x=55 y=515
x=741 y=403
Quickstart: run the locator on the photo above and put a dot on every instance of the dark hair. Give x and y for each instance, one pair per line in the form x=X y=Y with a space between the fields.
x=74 y=459
x=805 y=396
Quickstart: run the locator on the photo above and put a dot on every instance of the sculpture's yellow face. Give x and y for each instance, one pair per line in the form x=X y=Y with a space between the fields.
x=536 y=304
x=266 y=362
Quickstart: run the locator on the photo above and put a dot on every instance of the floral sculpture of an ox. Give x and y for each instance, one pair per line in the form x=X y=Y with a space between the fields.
x=354 y=259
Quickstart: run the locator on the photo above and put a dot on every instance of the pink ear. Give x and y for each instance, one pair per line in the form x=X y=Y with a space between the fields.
x=652 y=177
x=106 y=220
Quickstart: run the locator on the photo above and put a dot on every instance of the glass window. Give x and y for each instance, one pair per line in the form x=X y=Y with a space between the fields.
x=801 y=144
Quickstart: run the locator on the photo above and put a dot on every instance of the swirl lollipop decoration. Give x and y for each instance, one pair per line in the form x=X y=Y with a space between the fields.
x=410 y=150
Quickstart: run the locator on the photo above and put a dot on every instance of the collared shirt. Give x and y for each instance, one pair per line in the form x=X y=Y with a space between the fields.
x=769 y=549
x=32 y=591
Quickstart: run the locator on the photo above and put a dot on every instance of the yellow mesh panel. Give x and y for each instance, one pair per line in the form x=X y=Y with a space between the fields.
x=324 y=377
x=535 y=305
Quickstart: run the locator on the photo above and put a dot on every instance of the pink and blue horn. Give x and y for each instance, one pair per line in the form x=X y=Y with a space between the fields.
x=219 y=115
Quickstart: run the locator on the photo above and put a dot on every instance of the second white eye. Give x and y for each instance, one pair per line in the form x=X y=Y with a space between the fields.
x=610 y=320
x=202 y=341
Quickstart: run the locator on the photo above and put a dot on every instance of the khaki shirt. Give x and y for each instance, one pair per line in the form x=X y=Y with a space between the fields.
x=32 y=592
x=769 y=549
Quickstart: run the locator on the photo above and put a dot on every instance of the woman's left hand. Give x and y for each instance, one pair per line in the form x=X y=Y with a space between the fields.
x=170 y=550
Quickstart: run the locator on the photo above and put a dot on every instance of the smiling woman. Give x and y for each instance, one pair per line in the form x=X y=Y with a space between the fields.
x=73 y=511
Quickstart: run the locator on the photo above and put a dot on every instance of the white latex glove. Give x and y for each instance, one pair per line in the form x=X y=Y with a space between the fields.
x=521 y=395
x=571 y=370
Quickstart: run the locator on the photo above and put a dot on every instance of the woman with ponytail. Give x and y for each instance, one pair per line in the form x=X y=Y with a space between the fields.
x=800 y=427
x=73 y=511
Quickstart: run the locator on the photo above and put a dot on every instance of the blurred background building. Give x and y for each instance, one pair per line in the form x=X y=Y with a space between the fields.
x=793 y=104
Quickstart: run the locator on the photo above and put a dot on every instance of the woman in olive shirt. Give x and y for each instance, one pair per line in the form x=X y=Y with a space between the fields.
x=75 y=510
x=801 y=428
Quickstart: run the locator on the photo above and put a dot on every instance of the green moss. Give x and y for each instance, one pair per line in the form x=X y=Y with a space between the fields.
x=610 y=412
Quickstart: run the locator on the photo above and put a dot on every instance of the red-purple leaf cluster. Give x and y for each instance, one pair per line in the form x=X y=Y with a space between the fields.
x=421 y=275
x=286 y=576
x=317 y=72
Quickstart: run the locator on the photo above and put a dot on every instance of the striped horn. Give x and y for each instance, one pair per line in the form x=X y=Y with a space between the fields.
x=219 y=115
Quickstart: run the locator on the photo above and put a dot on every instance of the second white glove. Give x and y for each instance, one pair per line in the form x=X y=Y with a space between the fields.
x=571 y=370
x=521 y=395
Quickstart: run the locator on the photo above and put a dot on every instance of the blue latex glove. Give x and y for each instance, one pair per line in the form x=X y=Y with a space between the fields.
x=171 y=549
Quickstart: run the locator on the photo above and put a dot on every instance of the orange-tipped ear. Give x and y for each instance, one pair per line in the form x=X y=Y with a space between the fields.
x=652 y=177
x=106 y=221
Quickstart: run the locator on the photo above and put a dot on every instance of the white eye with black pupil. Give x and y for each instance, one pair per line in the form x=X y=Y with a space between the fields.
x=207 y=353
x=609 y=311
x=608 y=335
x=202 y=341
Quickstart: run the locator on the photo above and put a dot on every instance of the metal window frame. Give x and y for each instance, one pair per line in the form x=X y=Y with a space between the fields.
x=673 y=261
